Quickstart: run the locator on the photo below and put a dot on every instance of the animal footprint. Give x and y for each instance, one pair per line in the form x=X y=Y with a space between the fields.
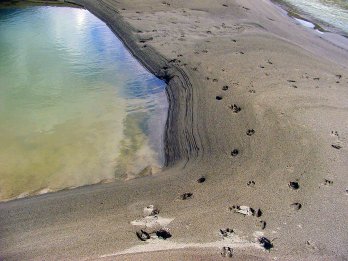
x=251 y=183
x=227 y=252
x=226 y=232
x=294 y=185
x=250 y=132
x=296 y=206
x=201 y=180
x=235 y=108
x=186 y=196
x=234 y=152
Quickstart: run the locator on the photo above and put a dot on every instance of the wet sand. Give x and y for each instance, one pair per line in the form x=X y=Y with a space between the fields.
x=258 y=107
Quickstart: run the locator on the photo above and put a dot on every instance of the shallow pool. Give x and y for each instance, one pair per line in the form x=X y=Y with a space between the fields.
x=75 y=107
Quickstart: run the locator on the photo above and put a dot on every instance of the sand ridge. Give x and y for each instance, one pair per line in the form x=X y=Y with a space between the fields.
x=257 y=104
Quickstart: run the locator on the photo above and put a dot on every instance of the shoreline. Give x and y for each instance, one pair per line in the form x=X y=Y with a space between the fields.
x=267 y=62
x=320 y=25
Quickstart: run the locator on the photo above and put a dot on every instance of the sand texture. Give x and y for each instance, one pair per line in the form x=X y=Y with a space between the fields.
x=256 y=102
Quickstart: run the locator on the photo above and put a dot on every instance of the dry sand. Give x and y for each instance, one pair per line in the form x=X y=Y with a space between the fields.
x=291 y=84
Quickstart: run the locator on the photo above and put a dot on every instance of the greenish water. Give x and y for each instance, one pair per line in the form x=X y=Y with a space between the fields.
x=333 y=13
x=75 y=107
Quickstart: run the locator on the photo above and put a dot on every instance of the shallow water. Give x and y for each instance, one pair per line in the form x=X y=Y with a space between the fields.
x=331 y=12
x=75 y=107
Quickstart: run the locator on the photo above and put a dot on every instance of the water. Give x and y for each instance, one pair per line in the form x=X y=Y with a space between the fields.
x=75 y=107
x=333 y=13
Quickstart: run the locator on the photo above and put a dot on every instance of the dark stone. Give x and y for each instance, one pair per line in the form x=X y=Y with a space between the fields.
x=163 y=234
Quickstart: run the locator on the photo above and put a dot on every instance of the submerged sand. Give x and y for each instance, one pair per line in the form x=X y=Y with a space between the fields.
x=256 y=102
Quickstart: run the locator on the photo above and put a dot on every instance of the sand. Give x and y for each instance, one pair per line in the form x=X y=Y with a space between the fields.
x=282 y=118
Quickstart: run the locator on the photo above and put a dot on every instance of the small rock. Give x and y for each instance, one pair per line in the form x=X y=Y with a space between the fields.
x=142 y=235
x=219 y=98
x=227 y=252
x=225 y=88
x=163 y=234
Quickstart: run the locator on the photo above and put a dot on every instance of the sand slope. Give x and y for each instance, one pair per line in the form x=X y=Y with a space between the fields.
x=284 y=107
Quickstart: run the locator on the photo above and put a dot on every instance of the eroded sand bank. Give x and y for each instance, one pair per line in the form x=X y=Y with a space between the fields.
x=256 y=102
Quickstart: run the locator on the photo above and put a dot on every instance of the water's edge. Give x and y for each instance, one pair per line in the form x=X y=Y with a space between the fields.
x=319 y=25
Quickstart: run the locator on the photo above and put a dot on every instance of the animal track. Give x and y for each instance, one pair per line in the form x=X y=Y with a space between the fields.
x=250 y=132
x=235 y=108
x=251 y=183
x=296 y=206
x=294 y=185
x=328 y=182
x=186 y=196
x=225 y=88
x=336 y=146
x=142 y=235
x=234 y=152
x=262 y=224
x=227 y=252
x=226 y=232
x=201 y=180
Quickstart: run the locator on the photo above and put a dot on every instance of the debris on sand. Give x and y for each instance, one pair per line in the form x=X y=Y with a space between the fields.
x=246 y=211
